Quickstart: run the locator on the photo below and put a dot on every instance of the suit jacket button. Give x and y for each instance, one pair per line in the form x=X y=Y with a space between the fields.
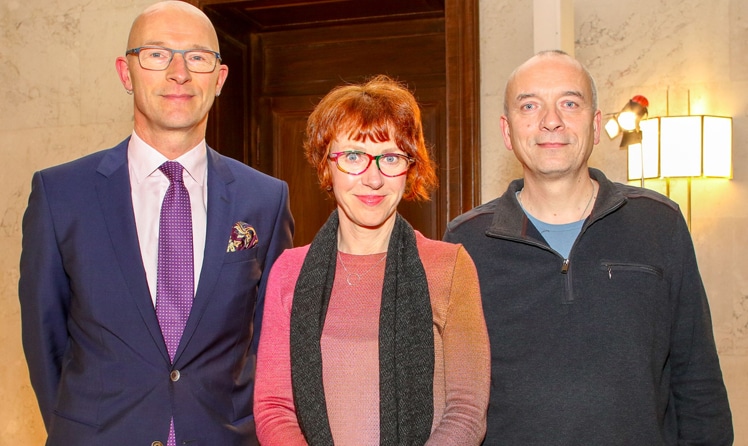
x=174 y=375
x=157 y=443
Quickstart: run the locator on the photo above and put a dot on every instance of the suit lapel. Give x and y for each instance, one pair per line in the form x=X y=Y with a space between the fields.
x=116 y=204
x=219 y=222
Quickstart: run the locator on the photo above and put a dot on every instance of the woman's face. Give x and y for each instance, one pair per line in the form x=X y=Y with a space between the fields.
x=370 y=199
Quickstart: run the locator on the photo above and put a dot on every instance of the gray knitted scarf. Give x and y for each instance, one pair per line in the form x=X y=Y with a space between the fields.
x=406 y=340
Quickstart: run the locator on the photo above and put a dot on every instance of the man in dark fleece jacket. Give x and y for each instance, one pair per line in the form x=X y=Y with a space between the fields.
x=598 y=319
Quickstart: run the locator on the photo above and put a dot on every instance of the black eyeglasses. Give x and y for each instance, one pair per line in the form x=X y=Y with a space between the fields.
x=354 y=162
x=158 y=58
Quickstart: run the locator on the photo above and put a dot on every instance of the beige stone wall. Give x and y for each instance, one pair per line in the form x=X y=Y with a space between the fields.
x=665 y=51
x=61 y=99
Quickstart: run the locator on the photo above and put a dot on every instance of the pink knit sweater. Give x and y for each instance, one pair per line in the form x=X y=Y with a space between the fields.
x=350 y=350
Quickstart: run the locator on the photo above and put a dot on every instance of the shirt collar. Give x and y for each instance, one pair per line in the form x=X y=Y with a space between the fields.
x=144 y=160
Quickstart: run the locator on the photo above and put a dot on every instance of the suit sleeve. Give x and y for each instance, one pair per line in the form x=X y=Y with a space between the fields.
x=44 y=293
x=281 y=240
x=699 y=394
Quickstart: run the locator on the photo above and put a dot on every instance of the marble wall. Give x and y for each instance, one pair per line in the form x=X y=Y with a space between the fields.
x=61 y=99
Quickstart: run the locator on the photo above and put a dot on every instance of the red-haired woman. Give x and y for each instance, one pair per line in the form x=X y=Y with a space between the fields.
x=373 y=334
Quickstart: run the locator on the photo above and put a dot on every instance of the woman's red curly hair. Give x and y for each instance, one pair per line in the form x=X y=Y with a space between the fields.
x=379 y=109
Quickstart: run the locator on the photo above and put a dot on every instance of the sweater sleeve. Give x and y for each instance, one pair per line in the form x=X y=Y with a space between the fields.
x=700 y=398
x=275 y=414
x=466 y=357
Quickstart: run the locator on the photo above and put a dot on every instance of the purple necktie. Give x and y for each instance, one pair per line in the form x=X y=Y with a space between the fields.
x=175 y=274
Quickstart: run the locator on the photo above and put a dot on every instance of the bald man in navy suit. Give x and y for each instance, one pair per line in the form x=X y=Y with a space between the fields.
x=97 y=357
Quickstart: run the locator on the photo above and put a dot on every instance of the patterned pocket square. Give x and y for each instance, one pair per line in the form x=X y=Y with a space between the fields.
x=243 y=236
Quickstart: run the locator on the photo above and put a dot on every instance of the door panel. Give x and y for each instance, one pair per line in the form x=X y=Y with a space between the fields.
x=284 y=120
x=228 y=129
x=316 y=60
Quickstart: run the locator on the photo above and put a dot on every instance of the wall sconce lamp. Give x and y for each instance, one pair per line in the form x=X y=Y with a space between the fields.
x=683 y=147
x=691 y=146
x=627 y=121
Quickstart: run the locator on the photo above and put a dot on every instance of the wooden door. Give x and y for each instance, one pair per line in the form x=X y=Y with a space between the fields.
x=283 y=60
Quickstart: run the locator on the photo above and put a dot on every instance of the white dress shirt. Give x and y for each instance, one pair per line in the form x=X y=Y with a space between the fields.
x=148 y=187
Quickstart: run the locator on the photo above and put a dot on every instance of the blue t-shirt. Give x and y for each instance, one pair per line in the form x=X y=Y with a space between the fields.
x=559 y=237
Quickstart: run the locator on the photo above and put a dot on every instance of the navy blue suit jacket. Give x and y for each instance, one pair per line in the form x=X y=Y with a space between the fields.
x=96 y=356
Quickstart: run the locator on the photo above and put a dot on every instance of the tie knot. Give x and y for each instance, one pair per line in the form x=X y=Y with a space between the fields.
x=173 y=171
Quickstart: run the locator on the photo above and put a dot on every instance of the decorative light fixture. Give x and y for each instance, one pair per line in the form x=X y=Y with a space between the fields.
x=673 y=147
x=627 y=121
x=683 y=146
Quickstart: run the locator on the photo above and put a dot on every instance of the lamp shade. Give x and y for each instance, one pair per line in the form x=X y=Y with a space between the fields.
x=718 y=146
x=644 y=158
x=695 y=146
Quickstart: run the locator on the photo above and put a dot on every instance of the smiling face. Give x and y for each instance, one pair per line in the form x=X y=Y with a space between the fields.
x=551 y=122
x=175 y=99
x=368 y=200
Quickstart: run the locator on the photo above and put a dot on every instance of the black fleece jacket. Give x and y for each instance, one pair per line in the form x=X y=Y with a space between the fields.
x=612 y=346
